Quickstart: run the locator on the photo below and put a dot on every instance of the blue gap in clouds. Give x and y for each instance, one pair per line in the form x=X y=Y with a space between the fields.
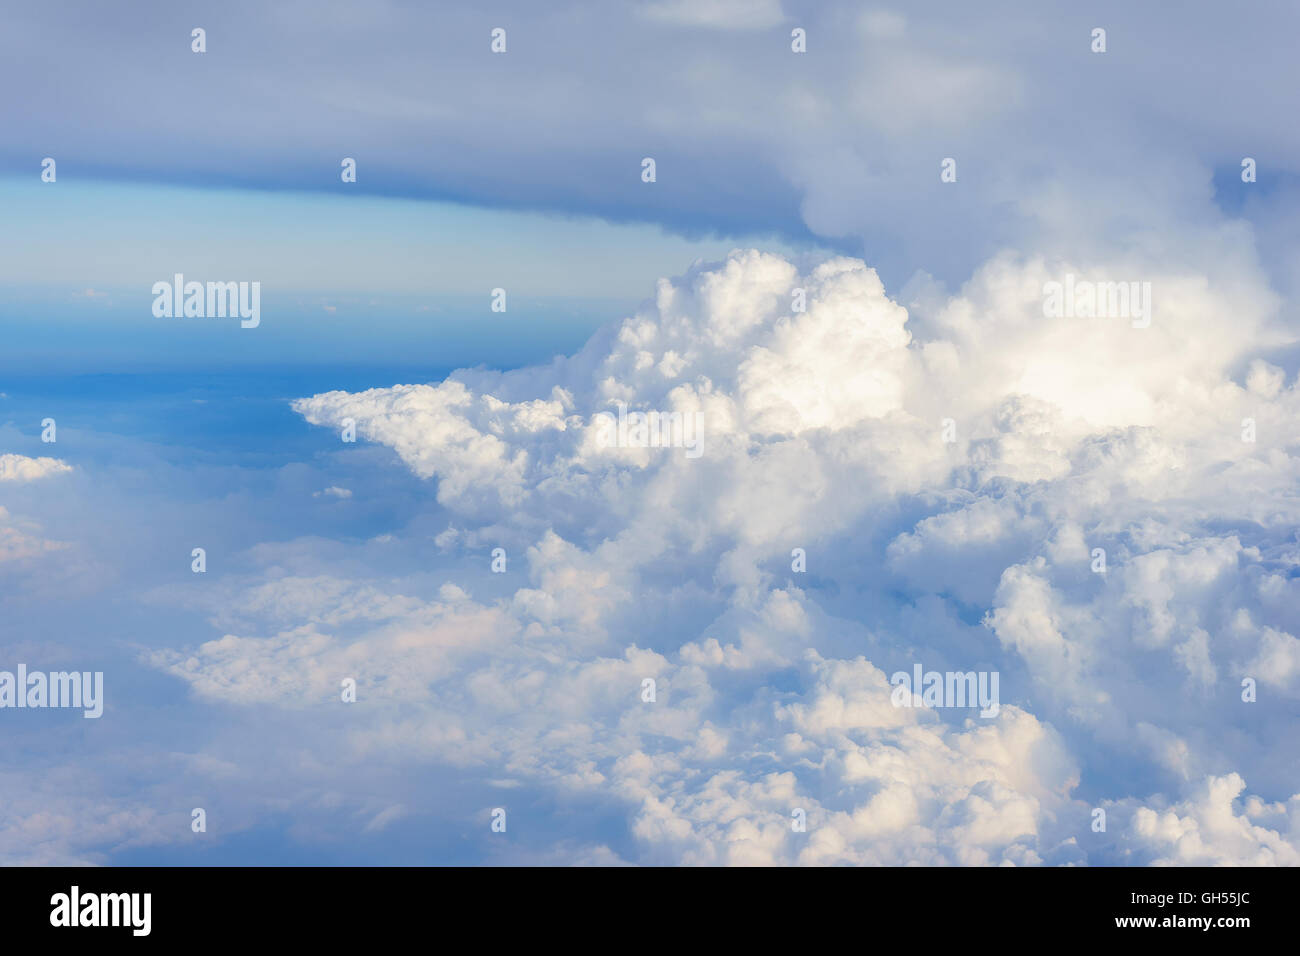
x=1235 y=197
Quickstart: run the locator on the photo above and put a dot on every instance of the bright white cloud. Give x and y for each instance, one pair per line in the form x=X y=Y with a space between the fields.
x=20 y=468
x=823 y=430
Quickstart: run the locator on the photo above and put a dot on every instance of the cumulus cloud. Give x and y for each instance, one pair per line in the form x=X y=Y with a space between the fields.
x=20 y=468
x=1102 y=513
x=1212 y=829
x=966 y=548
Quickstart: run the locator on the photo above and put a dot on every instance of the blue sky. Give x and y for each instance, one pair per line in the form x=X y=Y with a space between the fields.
x=781 y=178
x=349 y=277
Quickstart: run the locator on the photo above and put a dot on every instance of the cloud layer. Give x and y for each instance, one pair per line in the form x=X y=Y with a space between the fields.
x=824 y=431
x=926 y=470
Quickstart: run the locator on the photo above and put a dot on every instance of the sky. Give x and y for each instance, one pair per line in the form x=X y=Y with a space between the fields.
x=509 y=625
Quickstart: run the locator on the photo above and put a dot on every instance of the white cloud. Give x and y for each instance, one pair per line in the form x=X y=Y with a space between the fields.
x=823 y=431
x=20 y=468
x=333 y=491
x=1209 y=829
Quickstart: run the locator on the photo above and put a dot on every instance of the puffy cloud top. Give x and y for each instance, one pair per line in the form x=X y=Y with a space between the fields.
x=20 y=468
x=953 y=474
